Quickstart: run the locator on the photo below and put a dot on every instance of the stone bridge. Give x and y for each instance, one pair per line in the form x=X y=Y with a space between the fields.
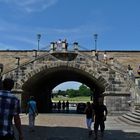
x=39 y=75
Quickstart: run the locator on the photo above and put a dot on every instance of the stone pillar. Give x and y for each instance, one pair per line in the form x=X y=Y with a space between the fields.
x=52 y=47
x=64 y=46
x=97 y=96
x=75 y=45
x=117 y=104
x=43 y=101
x=24 y=99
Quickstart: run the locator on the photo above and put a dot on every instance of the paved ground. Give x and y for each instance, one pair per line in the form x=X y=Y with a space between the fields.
x=72 y=127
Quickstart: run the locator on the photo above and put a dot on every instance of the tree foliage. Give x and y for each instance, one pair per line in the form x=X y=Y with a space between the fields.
x=71 y=93
x=82 y=91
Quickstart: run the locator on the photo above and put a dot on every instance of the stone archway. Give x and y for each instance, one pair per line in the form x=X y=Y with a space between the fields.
x=41 y=84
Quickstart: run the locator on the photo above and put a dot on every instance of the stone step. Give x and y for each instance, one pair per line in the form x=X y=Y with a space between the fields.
x=130 y=118
x=136 y=113
x=119 y=85
x=115 y=93
x=118 y=82
x=127 y=121
x=117 y=89
x=133 y=115
x=104 y=69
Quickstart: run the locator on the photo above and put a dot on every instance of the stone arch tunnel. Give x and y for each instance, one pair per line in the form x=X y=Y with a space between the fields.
x=41 y=84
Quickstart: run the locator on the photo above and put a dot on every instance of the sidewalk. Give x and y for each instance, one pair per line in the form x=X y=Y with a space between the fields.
x=72 y=127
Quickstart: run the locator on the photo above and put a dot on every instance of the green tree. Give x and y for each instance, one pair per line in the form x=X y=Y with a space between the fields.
x=71 y=93
x=84 y=90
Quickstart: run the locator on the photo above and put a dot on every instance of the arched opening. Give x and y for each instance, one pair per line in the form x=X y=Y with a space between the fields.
x=41 y=84
x=70 y=97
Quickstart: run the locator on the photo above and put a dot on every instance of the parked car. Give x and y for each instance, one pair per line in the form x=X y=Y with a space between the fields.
x=81 y=107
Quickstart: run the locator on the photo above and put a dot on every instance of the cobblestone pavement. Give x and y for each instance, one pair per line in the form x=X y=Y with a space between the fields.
x=72 y=127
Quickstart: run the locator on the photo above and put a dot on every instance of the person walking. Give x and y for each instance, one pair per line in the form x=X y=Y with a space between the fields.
x=59 y=106
x=9 y=111
x=63 y=106
x=32 y=111
x=100 y=113
x=67 y=106
x=89 y=116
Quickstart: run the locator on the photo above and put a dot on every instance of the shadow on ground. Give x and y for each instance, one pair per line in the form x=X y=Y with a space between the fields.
x=74 y=133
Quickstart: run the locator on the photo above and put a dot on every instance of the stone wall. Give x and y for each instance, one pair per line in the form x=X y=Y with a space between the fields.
x=7 y=57
x=114 y=103
x=117 y=104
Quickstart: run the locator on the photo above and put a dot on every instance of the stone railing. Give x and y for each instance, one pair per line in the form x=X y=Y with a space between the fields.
x=121 y=71
x=25 y=69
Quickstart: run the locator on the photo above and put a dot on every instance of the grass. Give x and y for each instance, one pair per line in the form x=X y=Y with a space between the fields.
x=73 y=100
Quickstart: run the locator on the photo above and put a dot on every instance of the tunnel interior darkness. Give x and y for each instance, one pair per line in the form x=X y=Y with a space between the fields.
x=42 y=84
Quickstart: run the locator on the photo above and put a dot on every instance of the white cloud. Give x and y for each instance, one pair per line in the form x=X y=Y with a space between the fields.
x=31 y=5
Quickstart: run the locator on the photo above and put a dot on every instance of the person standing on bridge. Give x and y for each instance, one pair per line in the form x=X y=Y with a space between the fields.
x=97 y=55
x=105 y=57
x=59 y=45
x=33 y=112
x=138 y=71
x=9 y=110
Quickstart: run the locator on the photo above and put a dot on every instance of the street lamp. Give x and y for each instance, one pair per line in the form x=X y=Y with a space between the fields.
x=18 y=64
x=95 y=38
x=38 y=39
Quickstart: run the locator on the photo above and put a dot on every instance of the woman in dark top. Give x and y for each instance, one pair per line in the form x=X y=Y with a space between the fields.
x=89 y=116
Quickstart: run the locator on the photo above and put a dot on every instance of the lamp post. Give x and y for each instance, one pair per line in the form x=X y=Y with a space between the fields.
x=18 y=64
x=95 y=38
x=38 y=40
